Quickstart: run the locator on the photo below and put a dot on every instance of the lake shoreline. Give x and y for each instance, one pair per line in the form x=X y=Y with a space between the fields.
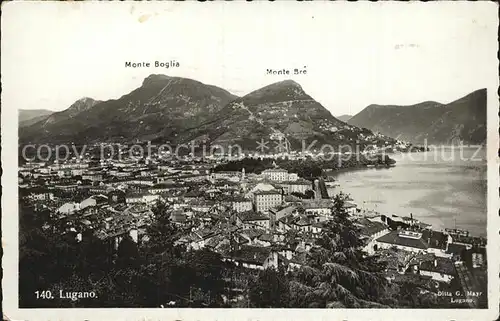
x=437 y=191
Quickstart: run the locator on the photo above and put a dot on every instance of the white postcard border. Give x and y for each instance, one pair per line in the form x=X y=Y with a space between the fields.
x=9 y=158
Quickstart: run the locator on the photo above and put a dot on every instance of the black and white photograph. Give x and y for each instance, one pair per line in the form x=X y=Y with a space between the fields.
x=239 y=160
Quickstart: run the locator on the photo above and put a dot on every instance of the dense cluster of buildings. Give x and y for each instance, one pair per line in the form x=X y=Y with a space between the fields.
x=255 y=220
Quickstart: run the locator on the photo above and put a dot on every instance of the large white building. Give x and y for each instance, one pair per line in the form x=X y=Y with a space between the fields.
x=276 y=174
x=265 y=200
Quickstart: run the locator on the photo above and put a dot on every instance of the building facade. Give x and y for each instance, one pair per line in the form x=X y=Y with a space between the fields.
x=241 y=205
x=265 y=200
x=276 y=174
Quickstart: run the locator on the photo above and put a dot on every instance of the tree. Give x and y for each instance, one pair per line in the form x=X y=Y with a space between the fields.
x=299 y=195
x=270 y=289
x=309 y=194
x=200 y=271
x=59 y=259
x=342 y=273
x=161 y=233
x=127 y=253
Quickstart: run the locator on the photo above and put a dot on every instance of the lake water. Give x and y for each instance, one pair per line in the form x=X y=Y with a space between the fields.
x=439 y=187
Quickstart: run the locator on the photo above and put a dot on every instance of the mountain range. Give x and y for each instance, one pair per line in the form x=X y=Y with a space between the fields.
x=161 y=107
x=179 y=110
x=460 y=121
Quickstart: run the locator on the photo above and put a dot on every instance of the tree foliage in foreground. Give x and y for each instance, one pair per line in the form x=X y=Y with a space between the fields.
x=147 y=275
x=157 y=271
x=337 y=274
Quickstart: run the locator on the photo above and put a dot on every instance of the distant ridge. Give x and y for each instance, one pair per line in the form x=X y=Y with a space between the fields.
x=461 y=121
x=27 y=117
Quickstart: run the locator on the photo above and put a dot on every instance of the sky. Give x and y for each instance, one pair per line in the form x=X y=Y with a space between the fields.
x=355 y=54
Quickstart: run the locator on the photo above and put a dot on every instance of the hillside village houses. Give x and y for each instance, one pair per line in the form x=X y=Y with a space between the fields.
x=247 y=218
x=318 y=207
x=295 y=186
x=241 y=204
x=253 y=219
x=42 y=195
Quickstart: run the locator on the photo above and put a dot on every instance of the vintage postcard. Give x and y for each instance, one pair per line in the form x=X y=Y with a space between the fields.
x=250 y=161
